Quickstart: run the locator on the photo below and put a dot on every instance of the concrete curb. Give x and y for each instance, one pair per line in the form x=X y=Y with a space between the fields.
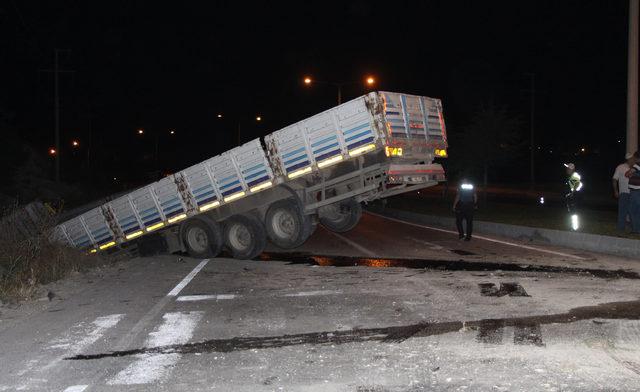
x=582 y=241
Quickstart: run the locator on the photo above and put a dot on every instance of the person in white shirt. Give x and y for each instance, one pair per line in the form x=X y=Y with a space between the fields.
x=621 y=190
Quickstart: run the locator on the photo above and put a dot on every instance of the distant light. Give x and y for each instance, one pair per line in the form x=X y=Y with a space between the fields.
x=583 y=149
x=619 y=141
x=258 y=118
x=307 y=80
x=370 y=80
x=541 y=200
x=140 y=131
x=172 y=132
x=52 y=151
x=115 y=179
x=219 y=115
x=75 y=143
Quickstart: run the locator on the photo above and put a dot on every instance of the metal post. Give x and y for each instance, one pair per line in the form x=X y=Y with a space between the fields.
x=632 y=78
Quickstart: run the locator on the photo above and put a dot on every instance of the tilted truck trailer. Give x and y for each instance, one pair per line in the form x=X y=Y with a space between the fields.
x=317 y=170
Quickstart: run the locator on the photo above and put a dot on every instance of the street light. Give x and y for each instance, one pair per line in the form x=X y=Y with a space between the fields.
x=53 y=151
x=258 y=118
x=75 y=143
x=219 y=115
x=140 y=131
x=368 y=81
x=172 y=132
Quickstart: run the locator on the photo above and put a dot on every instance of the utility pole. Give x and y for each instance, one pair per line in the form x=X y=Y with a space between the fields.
x=56 y=105
x=532 y=152
x=632 y=78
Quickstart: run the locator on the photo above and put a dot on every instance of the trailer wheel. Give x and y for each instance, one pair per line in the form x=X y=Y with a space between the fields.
x=342 y=217
x=202 y=237
x=287 y=227
x=244 y=236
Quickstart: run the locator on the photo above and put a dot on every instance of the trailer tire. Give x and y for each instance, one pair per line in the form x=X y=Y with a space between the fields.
x=244 y=236
x=344 y=218
x=287 y=227
x=202 y=237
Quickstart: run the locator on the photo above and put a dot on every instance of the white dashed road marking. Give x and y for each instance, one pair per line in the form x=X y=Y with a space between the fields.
x=76 y=388
x=312 y=293
x=176 y=328
x=204 y=297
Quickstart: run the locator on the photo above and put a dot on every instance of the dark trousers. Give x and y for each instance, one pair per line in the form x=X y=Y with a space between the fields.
x=464 y=212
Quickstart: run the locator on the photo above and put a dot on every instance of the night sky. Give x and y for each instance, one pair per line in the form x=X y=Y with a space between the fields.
x=162 y=67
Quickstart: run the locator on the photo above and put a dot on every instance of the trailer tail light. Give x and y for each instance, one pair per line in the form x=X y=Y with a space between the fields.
x=362 y=150
x=393 y=151
x=441 y=152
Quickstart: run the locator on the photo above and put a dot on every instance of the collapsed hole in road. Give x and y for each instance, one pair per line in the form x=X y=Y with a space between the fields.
x=440 y=265
x=526 y=331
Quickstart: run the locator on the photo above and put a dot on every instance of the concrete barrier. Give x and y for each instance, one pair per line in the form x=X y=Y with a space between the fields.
x=589 y=242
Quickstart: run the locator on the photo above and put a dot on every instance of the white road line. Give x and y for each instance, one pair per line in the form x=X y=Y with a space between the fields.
x=76 y=388
x=176 y=290
x=204 y=297
x=482 y=238
x=312 y=293
x=355 y=245
x=177 y=328
x=74 y=343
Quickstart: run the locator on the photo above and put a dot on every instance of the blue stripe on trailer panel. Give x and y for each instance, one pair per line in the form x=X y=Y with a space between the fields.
x=229 y=178
x=328 y=146
x=236 y=182
x=173 y=199
x=258 y=166
x=297 y=166
x=359 y=127
x=327 y=139
x=327 y=155
x=104 y=240
x=258 y=181
x=131 y=230
x=178 y=212
x=208 y=186
x=205 y=194
x=303 y=156
x=148 y=217
x=201 y=202
x=84 y=243
x=149 y=223
x=127 y=225
x=172 y=208
x=127 y=220
x=234 y=190
x=391 y=112
x=361 y=134
x=294 y=152
x=256 y=174
x=154 y=209
x=359 y=143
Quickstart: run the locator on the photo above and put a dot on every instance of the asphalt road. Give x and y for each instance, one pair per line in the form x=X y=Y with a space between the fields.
x=388 y=306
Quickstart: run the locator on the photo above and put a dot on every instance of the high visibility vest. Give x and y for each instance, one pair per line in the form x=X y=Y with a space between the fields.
x=574 y=182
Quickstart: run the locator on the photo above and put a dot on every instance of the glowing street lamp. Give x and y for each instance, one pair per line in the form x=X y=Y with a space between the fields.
x=75 y=143
x=53 y=151
x=258 y=118
x=172 y=132
x=368 y=81
x=140 y=131
x=219 y=115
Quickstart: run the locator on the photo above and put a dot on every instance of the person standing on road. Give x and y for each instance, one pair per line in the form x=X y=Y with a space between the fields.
x=621 y=190
x=634 y=193
x=465 y=203
x=574 y=186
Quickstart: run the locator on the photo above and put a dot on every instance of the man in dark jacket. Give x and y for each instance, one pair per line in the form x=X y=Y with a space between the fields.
x=464 y=205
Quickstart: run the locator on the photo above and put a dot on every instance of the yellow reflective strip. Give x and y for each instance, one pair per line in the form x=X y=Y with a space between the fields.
x=261 y=186
x=107 y=245
x=177 y=218
x=361 y=150
x=209 y=206
x=134 y=235
x=300 y=172
x=330 y=161
x=93 y=251
x=156 y=226
x=234 y=196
